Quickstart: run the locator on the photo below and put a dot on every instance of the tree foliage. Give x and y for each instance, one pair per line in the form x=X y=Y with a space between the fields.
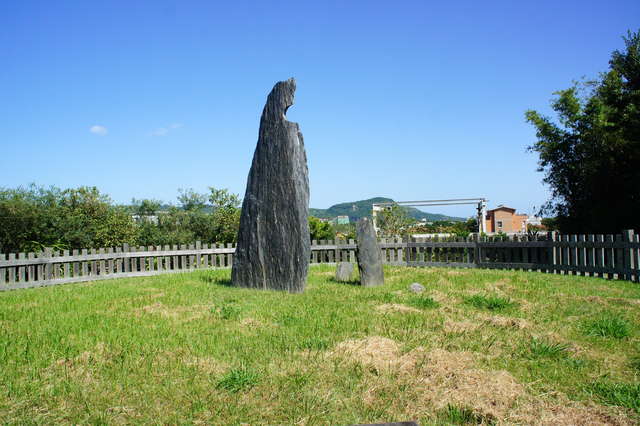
x=393 y=222
x=194 y=220
x=590 y=155
x=320 y=230
x=35 y=217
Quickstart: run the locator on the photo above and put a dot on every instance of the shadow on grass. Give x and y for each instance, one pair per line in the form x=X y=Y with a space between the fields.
x=213 y=277
x=354 y=281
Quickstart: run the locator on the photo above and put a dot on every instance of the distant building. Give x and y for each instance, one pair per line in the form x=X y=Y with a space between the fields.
x=534 y=220
x=505 y=219
x=148 y=218
x=340 y=220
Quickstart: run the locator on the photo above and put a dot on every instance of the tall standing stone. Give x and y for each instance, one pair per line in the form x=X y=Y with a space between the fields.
x=273 y=242
x=369 y=256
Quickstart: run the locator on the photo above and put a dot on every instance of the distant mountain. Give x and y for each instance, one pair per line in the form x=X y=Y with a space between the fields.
x=357 y=209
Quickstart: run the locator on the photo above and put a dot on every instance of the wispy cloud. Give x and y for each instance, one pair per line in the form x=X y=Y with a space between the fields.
x=164 y=131
x=98 y=130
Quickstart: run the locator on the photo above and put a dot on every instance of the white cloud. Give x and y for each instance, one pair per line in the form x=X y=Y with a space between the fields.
x=98 y=130
x=160 y=132
x=164 y=131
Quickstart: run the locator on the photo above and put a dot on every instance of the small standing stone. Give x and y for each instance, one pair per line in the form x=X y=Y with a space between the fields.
x=344 y=271
x=416 y=288
x=368 y=252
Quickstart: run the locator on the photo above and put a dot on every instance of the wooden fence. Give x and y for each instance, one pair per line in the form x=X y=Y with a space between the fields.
x=606 y=256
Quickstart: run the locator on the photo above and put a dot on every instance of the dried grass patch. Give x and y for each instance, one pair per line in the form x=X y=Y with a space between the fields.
x=442 y=298
x=81 y=367
x=450 y=378
x=440 y=378
x=624 y=301
x=459 y=326
x=148 y=289
x=593 y=299
x=526 y=306
x=122 y=414
x=456 y=273
x=250 y=322
x=26 y=305
x=563 y=412
x=378 y=352
x=396 y=307
x=501 y=286
x=601 y=300
x=207 y=365
x=508 y=322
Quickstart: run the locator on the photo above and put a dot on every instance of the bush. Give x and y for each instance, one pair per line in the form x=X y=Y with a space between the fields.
x=36 y=217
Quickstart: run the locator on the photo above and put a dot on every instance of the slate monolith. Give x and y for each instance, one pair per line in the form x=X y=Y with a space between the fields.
x=273 y=246
x=368 y=253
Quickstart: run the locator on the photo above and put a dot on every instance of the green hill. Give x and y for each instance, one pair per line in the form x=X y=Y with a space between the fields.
x=357 y=209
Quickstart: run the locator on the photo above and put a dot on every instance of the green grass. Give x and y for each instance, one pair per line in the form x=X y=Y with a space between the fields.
x=423 y=302
x=492 y=303
x=189 y=348
x=622 y=394
x=463 y=416
x=238 y=379
x=544 y=349
x=608 y=326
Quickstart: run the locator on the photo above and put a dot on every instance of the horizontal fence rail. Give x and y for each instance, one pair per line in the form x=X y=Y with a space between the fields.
x=605 y=256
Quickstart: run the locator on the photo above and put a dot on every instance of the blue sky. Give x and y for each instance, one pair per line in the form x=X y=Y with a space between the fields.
x=410 y=100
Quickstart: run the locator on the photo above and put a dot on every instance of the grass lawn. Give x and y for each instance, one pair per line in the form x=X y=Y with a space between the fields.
x=477 y=346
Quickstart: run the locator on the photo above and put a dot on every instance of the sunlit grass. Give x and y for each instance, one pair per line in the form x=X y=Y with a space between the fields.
x=189 y=348
x=608 y=326
x=492 y=303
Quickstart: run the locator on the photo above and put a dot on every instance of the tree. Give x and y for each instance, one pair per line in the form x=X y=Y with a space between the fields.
x=393 y=222
x=35 y=217
x=319 y=230
x=226 y=215
x=191 y=200
x=145 y=207
x=590 y=155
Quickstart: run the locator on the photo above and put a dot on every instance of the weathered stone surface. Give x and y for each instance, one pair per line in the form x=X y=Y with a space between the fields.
x=369 y=256
x=344 y=271
x=273 y=242
x=416 y=288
